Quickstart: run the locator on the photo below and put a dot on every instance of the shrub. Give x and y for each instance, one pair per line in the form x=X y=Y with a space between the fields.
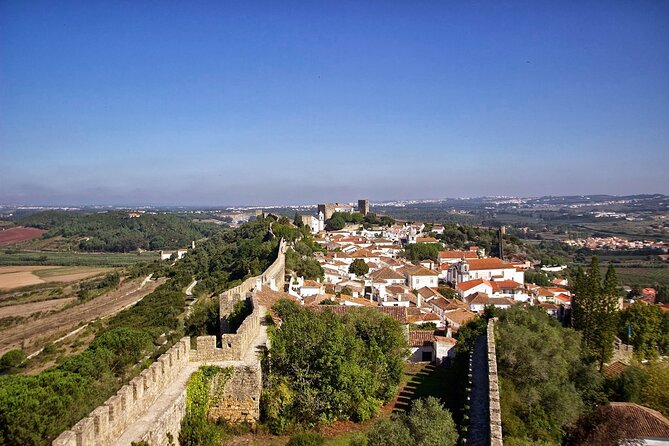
x=12 y=359
x=306 y=439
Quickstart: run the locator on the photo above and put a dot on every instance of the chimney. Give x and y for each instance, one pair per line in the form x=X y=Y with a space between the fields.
x=419 y=299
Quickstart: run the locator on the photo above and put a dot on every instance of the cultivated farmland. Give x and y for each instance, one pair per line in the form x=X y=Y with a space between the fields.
x=19 y=276
x=19 y=234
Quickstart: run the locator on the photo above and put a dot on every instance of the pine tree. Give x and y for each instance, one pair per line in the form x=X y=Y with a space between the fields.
x=608 y=315
x=595 y=310
x=580 y=300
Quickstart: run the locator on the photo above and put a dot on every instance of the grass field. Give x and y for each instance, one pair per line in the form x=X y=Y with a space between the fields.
x=74 y=258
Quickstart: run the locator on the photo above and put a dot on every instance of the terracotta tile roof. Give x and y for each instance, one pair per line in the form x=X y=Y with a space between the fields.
x=440 y=302
x=614 y=369
x=563 y=298
x=419 y=270
x=506 y=285
x=455 y=304
x=469 y=284
x=390 y=261
x=642 y=422
x=386 y=274
x=457 y=255
x=430 y=317
x=358 y=301
x=426 y=240
x=445 y=339
x=490 y=263
x=397 y=313
x=460 y=316
x=427 y=292
x=484 y=299
x=420 y=338
x=397 y=289
x=267 y=297
x=361 y=253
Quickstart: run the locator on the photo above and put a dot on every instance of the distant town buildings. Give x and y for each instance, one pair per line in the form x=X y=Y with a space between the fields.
x=615 y=243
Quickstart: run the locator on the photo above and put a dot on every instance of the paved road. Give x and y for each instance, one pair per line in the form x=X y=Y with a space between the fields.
x=479 y=418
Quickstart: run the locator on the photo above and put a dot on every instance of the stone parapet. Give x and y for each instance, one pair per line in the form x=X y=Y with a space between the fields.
x=105 y=424
x=493 y=388
x=238 y=399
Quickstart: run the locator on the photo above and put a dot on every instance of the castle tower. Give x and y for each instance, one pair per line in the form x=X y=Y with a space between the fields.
x=363 y=206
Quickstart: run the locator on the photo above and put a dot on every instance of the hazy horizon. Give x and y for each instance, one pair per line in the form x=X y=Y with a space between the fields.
x=139 y=205
x=274 y=103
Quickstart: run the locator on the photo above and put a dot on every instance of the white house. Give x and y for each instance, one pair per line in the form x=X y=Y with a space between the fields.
x=167 y=255
x=490 y=268
x=468 y=287
x=419 y=276
x=477 y=302
x=315 y=224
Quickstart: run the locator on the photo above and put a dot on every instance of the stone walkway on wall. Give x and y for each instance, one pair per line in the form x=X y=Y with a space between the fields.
x=479 y=418
x=176 y=389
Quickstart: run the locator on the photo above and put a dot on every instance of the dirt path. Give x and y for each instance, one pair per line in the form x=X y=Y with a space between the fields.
x=34 y=333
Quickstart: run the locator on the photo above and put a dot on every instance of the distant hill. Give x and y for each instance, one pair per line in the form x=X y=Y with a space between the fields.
x=117 y=231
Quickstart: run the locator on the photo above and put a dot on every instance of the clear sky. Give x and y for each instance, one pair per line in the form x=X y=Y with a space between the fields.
x=245 y=102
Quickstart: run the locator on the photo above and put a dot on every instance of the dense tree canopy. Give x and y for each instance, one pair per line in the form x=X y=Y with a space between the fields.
x=545 y=385
x=324 y=367
x=117 y=232
x=358 y=267
x=423 y=251
x=646 y=328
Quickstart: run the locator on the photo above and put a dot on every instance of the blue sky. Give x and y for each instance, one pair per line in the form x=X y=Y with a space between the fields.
x=211 y=103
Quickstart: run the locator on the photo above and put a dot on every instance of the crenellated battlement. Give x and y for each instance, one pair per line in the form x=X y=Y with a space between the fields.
x=240 y=402
x=106 y=423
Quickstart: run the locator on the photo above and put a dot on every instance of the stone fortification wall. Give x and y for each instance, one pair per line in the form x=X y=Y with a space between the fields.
x=238 y=399
x=273 y=277
x=233 y=345
x=493 y=388
x=168 y=422
x=105 y=424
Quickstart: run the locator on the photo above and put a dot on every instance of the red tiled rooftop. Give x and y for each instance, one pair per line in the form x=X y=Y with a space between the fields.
x=490 y=263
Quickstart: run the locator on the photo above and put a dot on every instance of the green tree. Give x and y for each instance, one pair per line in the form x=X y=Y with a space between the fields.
x=538 y=362
x=422 y=251
x=12 y=359
x=595 y=311
x=537 y=277
x=427 y=424
x=325 y=367
x=335 y=223
x=358 y=267
x=645 y=324
x=661 y=294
